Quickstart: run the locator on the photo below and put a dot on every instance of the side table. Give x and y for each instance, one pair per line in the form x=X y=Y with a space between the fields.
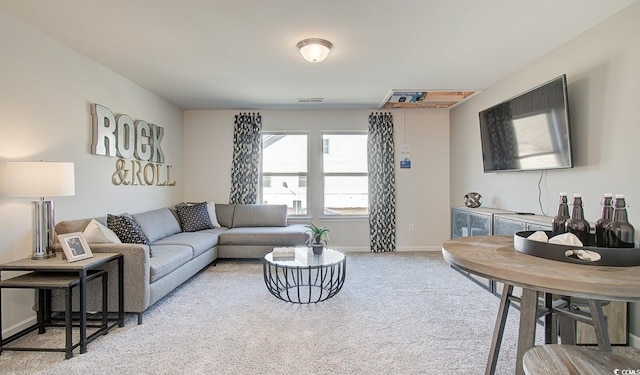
x=82 y=269
x=44 y=282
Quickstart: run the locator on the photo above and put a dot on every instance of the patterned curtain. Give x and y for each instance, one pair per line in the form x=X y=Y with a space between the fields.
x=247 y=144
x=382 y=183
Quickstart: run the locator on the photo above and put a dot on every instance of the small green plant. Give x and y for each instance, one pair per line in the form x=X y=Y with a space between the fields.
x=318 y=235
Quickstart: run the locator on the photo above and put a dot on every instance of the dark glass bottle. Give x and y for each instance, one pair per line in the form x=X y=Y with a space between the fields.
x=619 y=232
x=576 y=224
x=605 y=219
x=560 y=220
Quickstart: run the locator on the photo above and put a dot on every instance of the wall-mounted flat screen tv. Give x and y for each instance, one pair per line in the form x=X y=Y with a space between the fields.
x=529 y=131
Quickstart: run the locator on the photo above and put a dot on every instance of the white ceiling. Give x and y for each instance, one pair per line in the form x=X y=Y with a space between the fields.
x=241 y=54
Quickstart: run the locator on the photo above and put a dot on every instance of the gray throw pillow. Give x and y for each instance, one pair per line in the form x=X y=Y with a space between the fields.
x=194 y=217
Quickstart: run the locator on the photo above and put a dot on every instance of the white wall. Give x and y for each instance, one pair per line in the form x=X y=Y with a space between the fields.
x=603 y=71
x=422 y=191
x=45 y=95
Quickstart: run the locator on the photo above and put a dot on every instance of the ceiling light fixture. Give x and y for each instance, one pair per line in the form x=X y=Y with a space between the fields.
x=314 y=49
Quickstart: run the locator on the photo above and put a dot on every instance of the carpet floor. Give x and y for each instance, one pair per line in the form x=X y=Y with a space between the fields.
x=398 y=313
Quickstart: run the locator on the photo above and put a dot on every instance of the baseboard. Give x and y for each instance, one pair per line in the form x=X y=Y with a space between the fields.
x=634 y=341
x=12 y=330
x=420 y=248
x=402 y=248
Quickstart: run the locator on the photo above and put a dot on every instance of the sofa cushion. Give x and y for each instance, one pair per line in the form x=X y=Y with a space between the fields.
x=198 y=241
x=224 y=213
x=260 y=215
x=98 y=233
x=166 y=259
x=292 y=235
x=194 y=217
x=157 y=224
x=127 y=230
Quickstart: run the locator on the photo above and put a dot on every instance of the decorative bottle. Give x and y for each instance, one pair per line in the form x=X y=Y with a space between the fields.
x=559 y=221
x=605 y=219
x=619 y=232
x=576 y=224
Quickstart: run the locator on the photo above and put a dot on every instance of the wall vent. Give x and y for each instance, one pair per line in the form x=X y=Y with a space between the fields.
x=310 y=100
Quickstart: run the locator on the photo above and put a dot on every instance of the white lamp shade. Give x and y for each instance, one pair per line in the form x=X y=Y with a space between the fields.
x=314 y=49
x=40 y=179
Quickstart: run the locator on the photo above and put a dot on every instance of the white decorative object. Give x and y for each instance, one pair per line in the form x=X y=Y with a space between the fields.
x=284 y=253
x=539 y=236
x=586 y=255
x=566 y=239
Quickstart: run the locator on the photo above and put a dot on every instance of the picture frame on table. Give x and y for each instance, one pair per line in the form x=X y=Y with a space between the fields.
x=75 y=246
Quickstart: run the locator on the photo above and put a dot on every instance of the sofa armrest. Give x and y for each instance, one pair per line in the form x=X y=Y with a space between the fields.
x=136 y=273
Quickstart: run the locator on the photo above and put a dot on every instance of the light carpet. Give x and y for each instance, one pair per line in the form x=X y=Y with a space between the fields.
x=398 y=313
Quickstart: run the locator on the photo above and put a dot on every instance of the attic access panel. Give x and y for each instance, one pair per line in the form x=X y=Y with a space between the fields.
x=405 y=99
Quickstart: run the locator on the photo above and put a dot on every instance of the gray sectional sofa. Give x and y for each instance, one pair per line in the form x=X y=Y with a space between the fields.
x=174 y=254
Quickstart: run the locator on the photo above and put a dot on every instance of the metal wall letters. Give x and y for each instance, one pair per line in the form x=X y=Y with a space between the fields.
x=122 y=137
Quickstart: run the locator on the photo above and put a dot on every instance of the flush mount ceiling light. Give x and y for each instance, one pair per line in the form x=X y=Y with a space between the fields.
x=314 y=49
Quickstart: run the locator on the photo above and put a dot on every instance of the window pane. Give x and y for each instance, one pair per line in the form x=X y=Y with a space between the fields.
x=284 y=171
x=346 y=195
x=345 y=153
x=284 y=153
x=286 y=190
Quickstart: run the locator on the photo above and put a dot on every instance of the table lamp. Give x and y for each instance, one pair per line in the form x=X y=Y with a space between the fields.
x=41 y=179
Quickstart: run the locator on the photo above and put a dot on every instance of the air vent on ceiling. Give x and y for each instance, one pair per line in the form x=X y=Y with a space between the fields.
x=310 y=100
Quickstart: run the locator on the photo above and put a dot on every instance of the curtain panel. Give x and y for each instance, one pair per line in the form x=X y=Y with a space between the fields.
x=247 y=149
x=382 y=183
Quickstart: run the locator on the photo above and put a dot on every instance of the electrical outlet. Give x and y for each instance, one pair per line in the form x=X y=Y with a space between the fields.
x=412 y=228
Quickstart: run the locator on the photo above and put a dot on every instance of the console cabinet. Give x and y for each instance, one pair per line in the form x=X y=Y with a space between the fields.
x=508 y=224
x=467 y=222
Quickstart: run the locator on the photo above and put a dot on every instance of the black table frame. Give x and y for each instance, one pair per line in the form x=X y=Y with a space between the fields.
x=83 y=268
x=45 y=282
x=297 y=283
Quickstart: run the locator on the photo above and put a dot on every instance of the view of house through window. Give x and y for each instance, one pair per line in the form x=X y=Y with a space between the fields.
x=345 y=181
x=344 y=189
x=284 y=171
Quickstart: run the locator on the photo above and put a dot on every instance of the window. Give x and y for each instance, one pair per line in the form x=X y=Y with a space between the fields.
x=345 y=174
x=284 y=171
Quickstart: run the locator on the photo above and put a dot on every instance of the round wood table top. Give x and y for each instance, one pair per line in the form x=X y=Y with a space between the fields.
x=570 y=359
x=495 y=258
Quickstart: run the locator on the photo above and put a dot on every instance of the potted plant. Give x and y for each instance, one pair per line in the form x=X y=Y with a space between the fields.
x=318 y=238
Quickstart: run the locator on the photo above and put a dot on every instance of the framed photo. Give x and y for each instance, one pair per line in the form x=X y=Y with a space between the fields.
x=75 y=246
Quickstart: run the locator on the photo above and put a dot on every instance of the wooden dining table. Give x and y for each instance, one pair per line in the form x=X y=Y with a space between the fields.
x=495 y=258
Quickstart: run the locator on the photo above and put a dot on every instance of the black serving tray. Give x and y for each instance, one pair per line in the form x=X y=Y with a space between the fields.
x=616 y=257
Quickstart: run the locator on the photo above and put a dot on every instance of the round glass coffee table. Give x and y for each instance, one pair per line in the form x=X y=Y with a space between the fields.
x=297 y=275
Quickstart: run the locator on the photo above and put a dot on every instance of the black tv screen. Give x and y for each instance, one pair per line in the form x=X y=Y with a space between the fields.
x=529 y=131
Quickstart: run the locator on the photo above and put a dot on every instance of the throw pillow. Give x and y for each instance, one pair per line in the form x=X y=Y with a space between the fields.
x=194 y=217
x=127 y=230
x=211 y=208
x=96 y=232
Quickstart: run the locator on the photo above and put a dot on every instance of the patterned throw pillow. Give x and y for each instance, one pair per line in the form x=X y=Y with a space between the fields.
x=127 y=230
x=194 y=217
